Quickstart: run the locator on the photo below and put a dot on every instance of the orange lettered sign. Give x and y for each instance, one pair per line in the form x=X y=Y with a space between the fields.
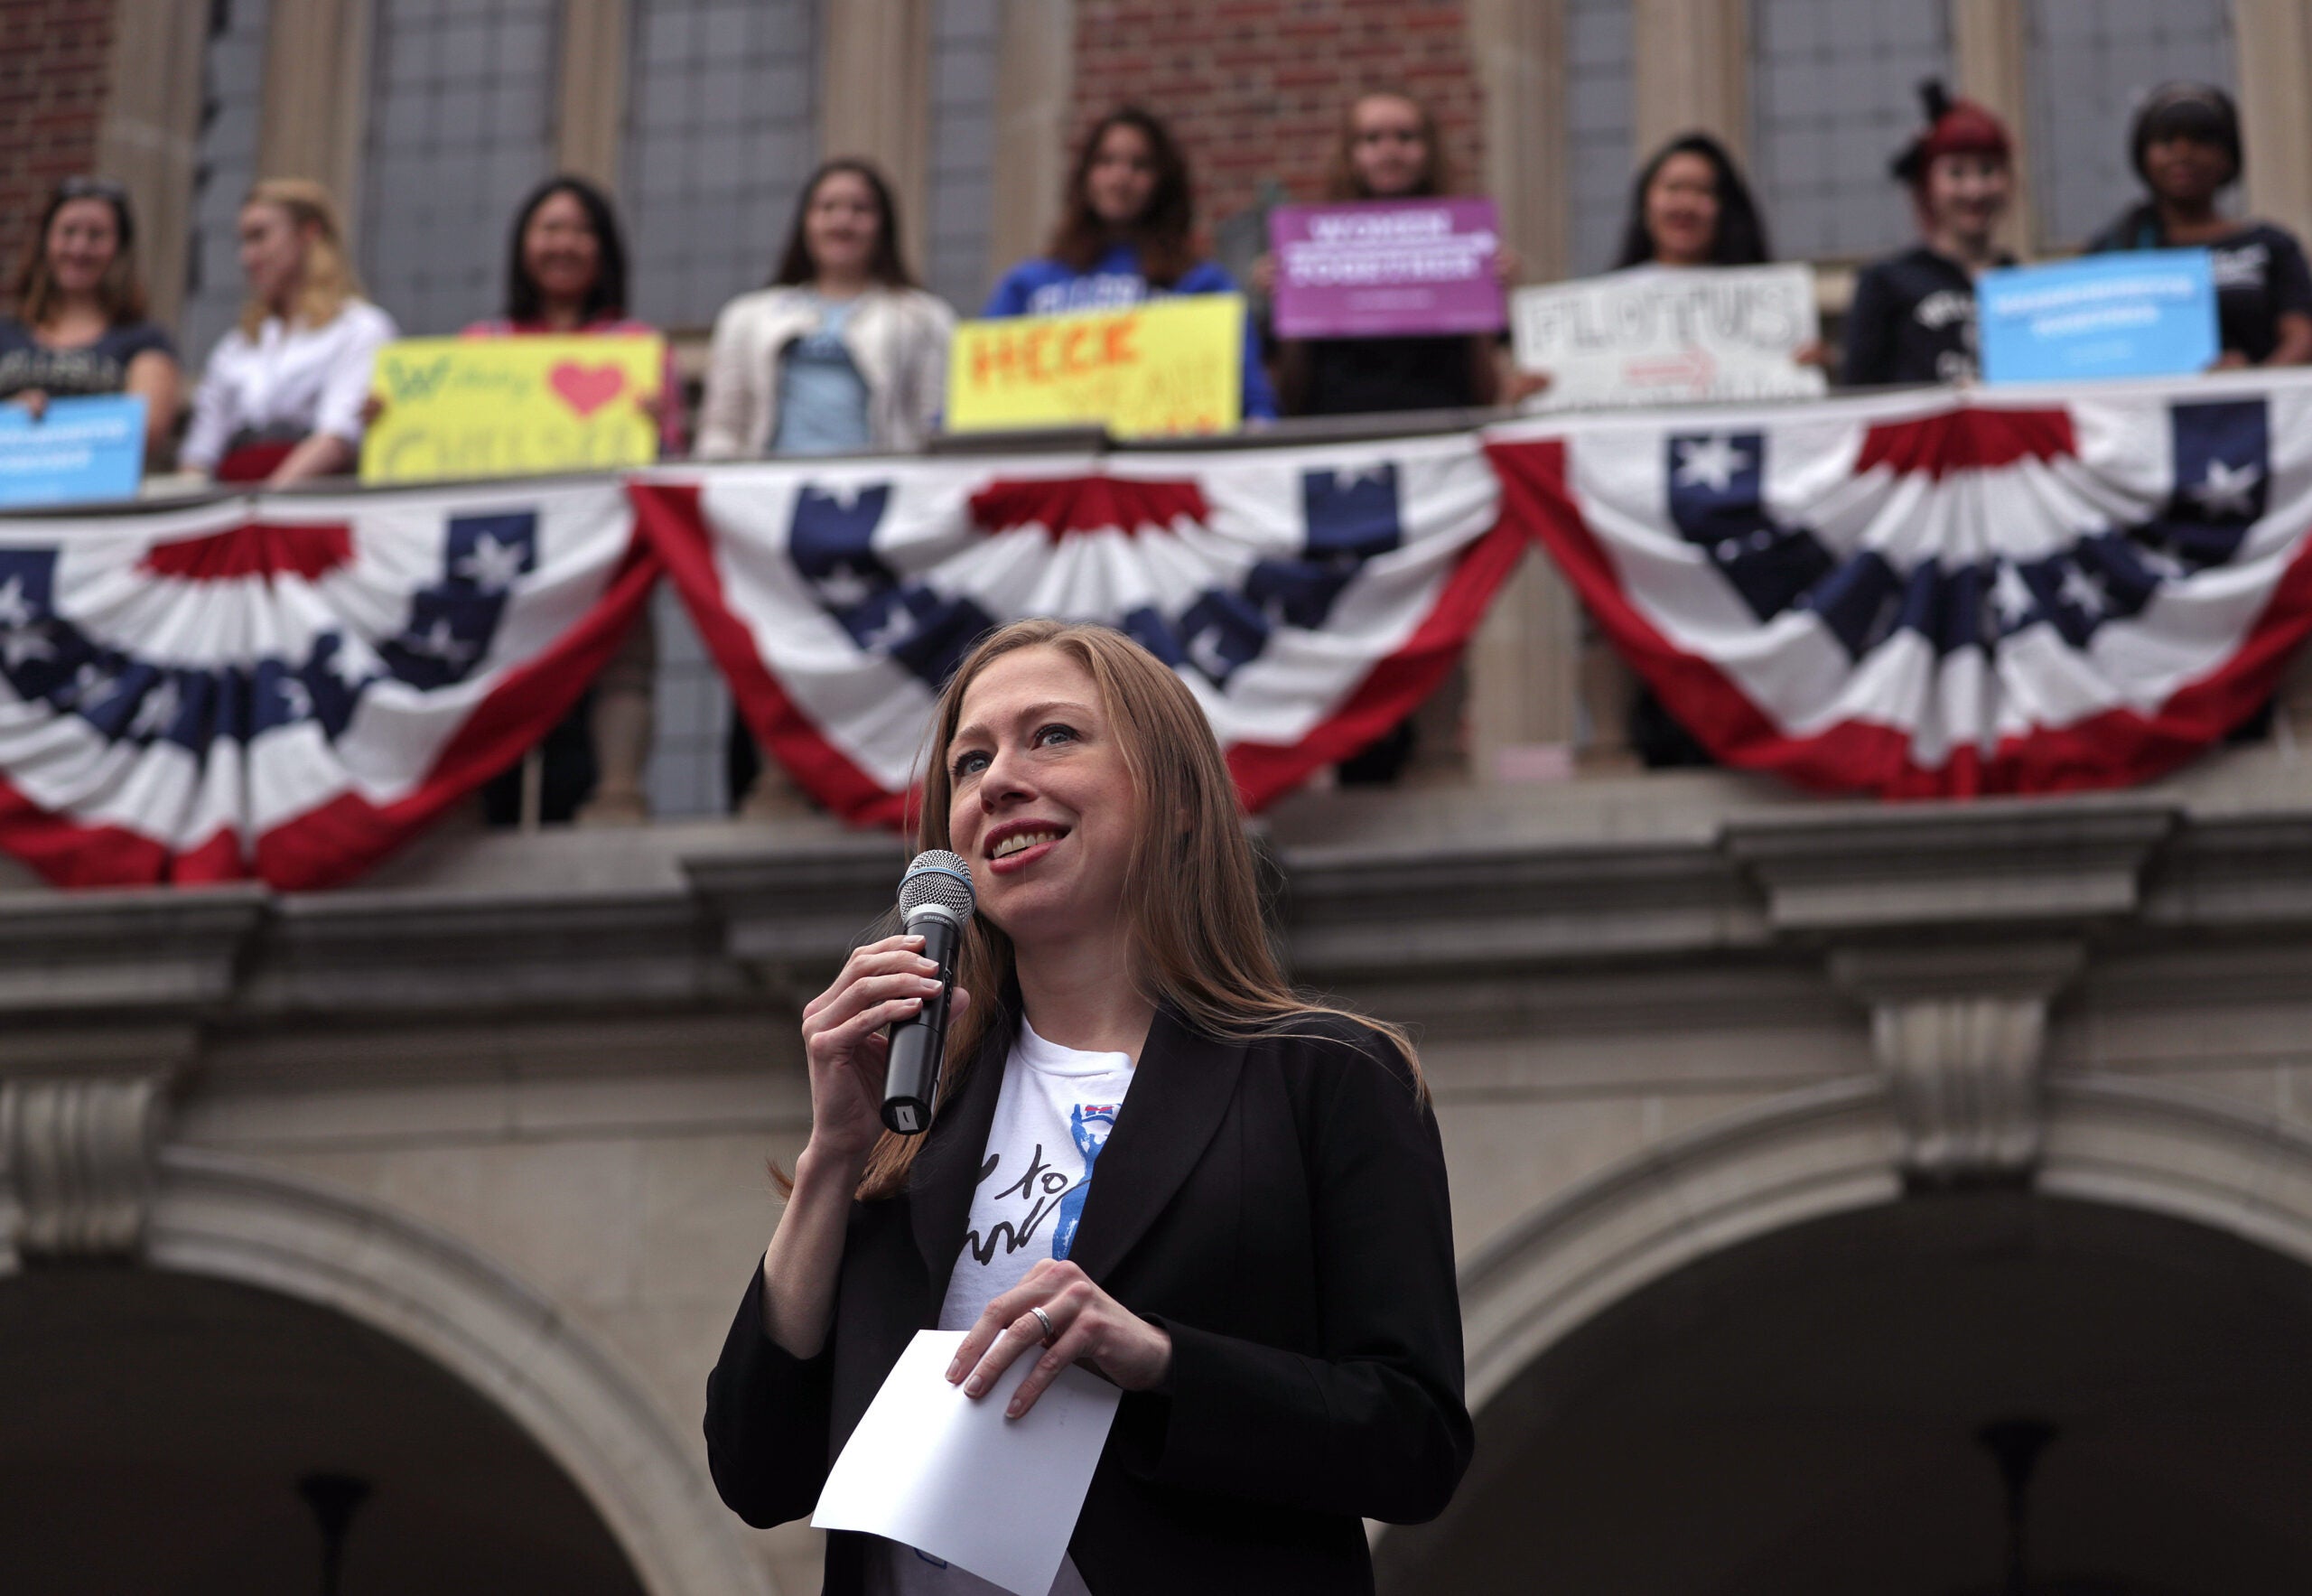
x=1162 y=369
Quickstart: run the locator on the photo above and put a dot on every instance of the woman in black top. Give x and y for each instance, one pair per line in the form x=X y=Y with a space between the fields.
x=2185 y=144
x=1688 y=208
x=1263 y=1264
x=79 y=327
x=1913 y=314
x=1389 y=150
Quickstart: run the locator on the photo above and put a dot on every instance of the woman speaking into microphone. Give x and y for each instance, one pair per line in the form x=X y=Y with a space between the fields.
x=1150 y=1158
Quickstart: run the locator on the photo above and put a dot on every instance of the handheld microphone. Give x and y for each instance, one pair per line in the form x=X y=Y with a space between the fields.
x=936 y=901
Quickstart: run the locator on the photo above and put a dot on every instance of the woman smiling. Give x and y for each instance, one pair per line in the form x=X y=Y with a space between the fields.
x=81 y=328
x=1265 y=1262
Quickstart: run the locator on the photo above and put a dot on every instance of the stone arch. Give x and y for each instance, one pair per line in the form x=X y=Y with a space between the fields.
x=1688 y=1245
x=2130 y=1144
x=222 y=1216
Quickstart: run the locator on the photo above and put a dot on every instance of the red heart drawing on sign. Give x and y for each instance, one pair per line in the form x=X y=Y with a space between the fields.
x=586 y=388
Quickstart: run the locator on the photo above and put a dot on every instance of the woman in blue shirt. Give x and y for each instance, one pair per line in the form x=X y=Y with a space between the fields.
x=1126 y=236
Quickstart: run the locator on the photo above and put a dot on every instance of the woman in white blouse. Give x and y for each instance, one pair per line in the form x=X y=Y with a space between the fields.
x=281 y=400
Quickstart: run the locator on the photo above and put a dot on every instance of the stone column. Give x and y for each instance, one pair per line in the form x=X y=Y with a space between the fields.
x=875 y=94
x=150 y=136
x=1692 y=71
x=590 y=105
x=621 y=721
x=1988 y=50
x=1517 y=51
x=1523 y=662
x=589 y=118
x=317 y=98
x=2274 y=42
x=1034 y=77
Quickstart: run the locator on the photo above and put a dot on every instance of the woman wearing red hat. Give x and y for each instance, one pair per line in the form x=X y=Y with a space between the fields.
x=2185 y=143
x=1913 y=313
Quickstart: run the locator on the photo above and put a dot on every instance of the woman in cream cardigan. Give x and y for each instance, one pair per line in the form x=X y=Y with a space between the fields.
x=843 y=353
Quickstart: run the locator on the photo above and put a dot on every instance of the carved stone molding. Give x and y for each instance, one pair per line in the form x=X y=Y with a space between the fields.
x=2009 y=864
x=1961 y=1032
x=77 y=1158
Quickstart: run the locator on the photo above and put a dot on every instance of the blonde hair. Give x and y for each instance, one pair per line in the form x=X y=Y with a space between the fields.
x=1201 y=946
x=329 y=280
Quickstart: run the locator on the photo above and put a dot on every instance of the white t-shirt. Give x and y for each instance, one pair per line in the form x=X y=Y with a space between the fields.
x=306 y=379
x=1053 y=1117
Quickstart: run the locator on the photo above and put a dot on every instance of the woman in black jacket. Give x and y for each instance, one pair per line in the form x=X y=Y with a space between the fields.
x=1913 y=319
x=1265 y=1262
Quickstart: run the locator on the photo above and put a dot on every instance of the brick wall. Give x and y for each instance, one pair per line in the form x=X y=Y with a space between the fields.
x=1256 y=90
x=53 y=80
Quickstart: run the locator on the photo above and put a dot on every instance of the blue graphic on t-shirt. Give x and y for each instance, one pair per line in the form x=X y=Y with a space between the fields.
x=1090 y=1124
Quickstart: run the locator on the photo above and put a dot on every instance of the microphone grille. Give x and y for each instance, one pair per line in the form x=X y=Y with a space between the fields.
x=940 y=877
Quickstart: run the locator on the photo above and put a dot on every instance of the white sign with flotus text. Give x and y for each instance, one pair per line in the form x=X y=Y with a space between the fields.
x=1670 y=335
x=931 y=1468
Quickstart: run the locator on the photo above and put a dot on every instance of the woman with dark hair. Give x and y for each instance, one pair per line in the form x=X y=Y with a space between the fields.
x=1262 y=1259
x=842 y=353
x=1126 y=234
x=2185 y=146
x=1389 y=150
x=1913 y=319
x=566 y=277
x=79 y=327
x=566 y=274
x=1690 y=208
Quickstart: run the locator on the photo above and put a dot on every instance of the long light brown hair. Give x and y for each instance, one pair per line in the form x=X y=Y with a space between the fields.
x=1200 y=947
x=1341 y=181
x=120 y=291
x=328 y=281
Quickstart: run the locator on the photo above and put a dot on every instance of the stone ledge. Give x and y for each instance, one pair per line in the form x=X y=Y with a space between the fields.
x=1621 y=927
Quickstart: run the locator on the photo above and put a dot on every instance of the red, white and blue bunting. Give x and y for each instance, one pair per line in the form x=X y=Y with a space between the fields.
x=1310 y=598
x=1944 y=593
x=1910 y=595
x=288 y=688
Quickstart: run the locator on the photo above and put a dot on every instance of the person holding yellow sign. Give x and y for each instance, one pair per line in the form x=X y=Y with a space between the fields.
x=1125 y=236
x=566 y=274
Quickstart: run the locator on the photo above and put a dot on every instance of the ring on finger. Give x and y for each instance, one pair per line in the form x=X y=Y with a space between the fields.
x=1044 y=1319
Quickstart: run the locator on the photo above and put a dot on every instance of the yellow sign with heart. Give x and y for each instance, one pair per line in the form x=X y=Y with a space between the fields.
x=453 y=408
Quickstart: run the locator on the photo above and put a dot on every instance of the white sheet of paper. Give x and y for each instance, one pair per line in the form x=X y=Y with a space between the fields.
x=930 y=1468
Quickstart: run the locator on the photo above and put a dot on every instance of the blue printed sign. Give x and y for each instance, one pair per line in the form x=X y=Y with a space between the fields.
x=80 y=450
x=2137 y=314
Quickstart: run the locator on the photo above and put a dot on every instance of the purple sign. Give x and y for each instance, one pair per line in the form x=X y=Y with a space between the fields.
x=1385 y=267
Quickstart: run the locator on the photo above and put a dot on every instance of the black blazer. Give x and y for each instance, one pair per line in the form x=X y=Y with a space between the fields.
x=1279 y=1206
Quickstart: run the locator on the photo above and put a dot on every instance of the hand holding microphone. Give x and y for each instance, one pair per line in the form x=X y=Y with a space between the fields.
x=935 y=897
x=889 y=982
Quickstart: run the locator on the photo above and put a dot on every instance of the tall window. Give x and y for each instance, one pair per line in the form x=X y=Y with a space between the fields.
x=952 y=242
x=722 y=130
x=1599 y=158
x=461 y=119
x=2092 y=63
x=232 y=96
x=1835 y=93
